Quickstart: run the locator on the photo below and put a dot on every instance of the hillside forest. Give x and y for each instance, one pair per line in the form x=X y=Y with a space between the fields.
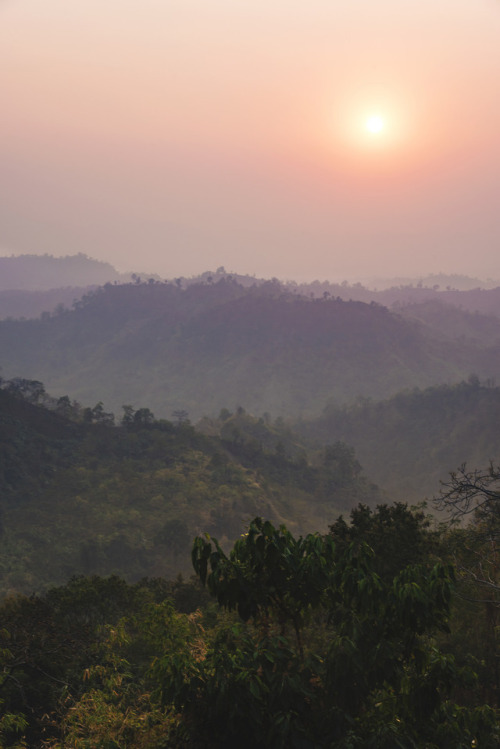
x=247 y=513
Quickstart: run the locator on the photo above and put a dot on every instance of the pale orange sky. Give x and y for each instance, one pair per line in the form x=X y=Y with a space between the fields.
x=174 y=136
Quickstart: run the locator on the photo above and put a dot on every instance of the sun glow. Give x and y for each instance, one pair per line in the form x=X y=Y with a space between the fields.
x=375 y=124
x=373 y=127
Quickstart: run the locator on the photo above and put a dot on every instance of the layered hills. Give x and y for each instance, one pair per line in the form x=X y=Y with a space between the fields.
x=31 y=285
x=216 y=345
x=292 y=391
x=34 y=284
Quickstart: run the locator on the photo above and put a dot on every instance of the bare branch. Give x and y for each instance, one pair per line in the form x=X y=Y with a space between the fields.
x=469 y=491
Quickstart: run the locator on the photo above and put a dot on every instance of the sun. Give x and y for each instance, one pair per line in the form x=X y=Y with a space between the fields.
x=375 y=124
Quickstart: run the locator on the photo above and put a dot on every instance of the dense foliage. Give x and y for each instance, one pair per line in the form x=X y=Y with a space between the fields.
x=382 y=632
x=320 y=642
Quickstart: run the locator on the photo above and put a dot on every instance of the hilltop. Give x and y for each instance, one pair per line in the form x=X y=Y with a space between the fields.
x=45 y=272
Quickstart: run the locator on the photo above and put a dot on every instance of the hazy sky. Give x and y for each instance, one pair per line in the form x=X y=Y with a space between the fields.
x=179 y=135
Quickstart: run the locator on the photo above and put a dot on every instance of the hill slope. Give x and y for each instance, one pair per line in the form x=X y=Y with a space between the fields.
x=87 y=498
x=412 y=441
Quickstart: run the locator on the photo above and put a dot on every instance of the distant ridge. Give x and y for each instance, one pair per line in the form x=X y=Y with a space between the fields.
x=45 y=272
x=265 y=348
x=468 y=293
x=444 y=281
x=33 y=284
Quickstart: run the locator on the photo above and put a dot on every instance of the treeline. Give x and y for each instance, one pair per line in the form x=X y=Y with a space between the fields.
x=380 y=633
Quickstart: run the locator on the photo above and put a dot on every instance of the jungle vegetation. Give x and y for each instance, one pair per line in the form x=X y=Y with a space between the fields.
x=231 y=548
x=377 y=633
x=379 y=630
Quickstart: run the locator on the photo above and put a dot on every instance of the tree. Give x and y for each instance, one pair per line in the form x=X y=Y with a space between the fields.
x=475 y=496
x=398 y=535
x=268 y=573
x=143 y=417
x=32 y=390
x=12 y=724
x=181 y=417
x=118 y=708
x=374 y=677
x=128 y=415
x=174 y=534
x=98 y=415
x=468 y=492
x=66 y=408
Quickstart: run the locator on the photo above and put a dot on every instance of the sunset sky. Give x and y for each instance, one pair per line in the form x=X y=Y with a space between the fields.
x=291 y=138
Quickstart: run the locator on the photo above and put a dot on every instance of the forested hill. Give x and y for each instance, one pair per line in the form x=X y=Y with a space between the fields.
x=34 y=284
x=222 y=345
x=44 y=272
x=412 y=441
x=81 y=496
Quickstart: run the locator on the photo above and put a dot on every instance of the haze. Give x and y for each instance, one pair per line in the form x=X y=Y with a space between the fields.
x=174 y=137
